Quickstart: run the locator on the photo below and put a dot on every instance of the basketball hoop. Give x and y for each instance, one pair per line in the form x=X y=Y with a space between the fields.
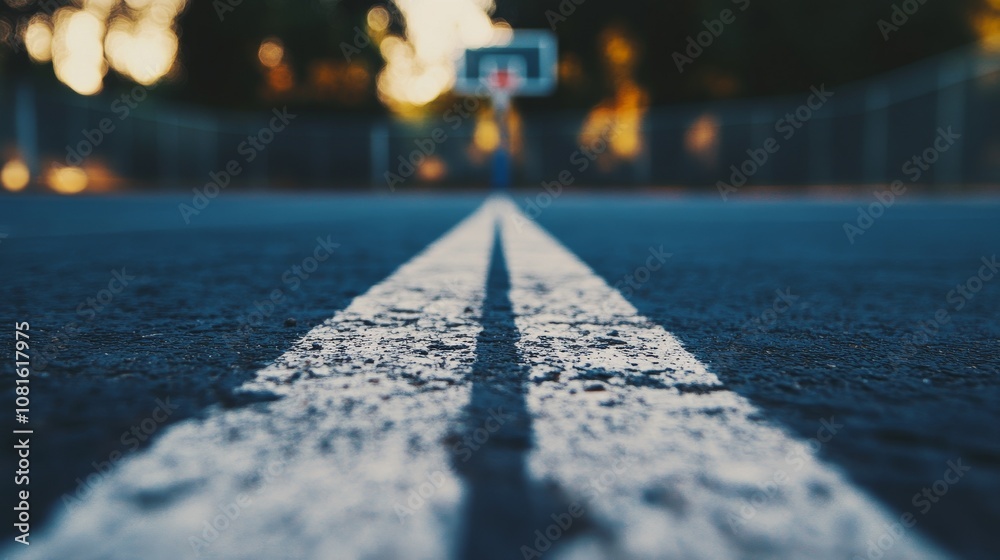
x=502 y=84
x=523 y=65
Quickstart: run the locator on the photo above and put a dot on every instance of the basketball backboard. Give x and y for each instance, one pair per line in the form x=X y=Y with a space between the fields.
x=524 y=65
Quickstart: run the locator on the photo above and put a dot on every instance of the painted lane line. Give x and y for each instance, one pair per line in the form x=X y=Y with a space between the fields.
x=666 y=462
x=349 y=464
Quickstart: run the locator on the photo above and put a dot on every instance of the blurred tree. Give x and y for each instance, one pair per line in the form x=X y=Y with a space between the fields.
x=220 y=42
x=770 y=47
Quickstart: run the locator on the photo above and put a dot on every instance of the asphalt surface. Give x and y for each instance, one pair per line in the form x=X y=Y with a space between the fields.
x=178 y=330
x=839 y=350
x=834 y=346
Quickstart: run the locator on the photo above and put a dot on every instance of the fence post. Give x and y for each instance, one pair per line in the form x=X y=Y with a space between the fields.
x=166 y=133
x=643 y=163
x=759 y=121
x=952 y=75
x=876 y=133
x=820 y=171
x=378 y=145
x=26 y=126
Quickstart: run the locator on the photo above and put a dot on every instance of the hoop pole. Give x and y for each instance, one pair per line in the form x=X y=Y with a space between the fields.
x=501 y=158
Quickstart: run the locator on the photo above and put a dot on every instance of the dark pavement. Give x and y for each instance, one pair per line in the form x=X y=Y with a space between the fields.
x=829 y=339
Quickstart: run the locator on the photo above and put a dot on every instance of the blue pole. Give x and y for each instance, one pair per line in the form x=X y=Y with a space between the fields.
x=501 y=157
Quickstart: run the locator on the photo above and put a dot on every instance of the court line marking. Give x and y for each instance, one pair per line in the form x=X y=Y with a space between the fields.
x=693 y=450
x=663 y=456
x=328 y=466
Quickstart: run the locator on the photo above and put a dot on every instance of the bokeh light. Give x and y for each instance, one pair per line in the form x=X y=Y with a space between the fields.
x=280 y=79
x=271 y=52
x=570 y=70
x=420 y=65
x=486 y=136
x=15 y=175
x=77 y=52
x=619 y=119
x=702 y=138
x=136 y=38
x=38 y=39
x=378 y=19
x=986 y=24
x=432 y=170
x=66 y=179
x=143 y=50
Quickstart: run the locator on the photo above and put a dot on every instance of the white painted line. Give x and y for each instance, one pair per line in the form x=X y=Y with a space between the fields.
x=668 y=471
x=319 y=473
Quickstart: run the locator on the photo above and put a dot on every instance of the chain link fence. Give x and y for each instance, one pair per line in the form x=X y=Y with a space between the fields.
x=860 y=133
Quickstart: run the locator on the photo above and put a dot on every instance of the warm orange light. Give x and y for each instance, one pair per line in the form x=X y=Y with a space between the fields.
x=66 y=180
x=432 y=169
x=618 y=49
x=702 y=137
x=987 y=26
x=570 y=69
x=985 y=22
x=324 y=76
x=358 y=74
x=280 y=78
x=15 y=175
x=619 y=119
x=627 y=144
x=271 y=52
x=486 y=137
x=356 y=83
